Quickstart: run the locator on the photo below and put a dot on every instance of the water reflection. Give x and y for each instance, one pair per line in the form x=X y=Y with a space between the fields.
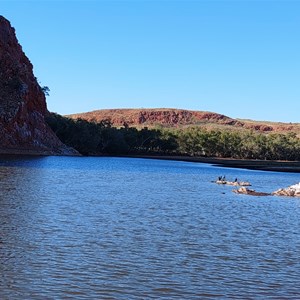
x=110 y=228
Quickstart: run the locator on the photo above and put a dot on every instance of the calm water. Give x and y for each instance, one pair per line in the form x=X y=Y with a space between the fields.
x=117 y=228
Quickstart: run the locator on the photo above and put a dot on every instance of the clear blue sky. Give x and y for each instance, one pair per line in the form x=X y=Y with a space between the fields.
x=238 y=58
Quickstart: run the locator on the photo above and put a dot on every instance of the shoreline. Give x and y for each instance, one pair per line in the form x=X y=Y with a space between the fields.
x=250 y=164
x=259 y=165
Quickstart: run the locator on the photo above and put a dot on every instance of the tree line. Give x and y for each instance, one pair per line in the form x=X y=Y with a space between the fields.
x=91 y=138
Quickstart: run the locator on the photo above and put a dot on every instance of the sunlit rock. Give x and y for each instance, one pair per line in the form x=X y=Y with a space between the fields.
x=22 y=102
x=291 y=191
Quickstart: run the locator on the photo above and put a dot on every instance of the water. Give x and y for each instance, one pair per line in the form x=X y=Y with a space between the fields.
x=118 y=228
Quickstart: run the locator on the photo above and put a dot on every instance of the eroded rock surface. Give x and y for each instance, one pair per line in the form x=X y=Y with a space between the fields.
x=22 y=102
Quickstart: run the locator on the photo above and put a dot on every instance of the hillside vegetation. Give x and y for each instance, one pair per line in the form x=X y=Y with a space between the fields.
x=102 y=138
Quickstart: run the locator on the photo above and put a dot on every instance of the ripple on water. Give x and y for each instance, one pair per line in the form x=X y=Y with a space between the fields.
x=112 y=228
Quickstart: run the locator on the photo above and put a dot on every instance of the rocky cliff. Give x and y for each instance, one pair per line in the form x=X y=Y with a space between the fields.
x=22 y=102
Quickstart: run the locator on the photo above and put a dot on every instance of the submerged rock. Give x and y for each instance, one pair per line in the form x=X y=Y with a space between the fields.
x=246 y=191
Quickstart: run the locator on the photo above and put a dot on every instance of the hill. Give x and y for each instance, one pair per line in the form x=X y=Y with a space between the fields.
x=167 y=117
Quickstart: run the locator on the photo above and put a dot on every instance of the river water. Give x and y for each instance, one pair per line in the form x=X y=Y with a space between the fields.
x=121 y=228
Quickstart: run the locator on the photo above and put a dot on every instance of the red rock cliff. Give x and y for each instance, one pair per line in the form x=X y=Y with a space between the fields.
x=22 y=102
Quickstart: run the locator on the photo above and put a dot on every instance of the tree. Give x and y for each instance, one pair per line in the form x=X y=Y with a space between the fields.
x=45 y=90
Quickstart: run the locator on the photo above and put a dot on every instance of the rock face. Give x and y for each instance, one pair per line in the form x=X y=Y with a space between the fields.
x=22 y=102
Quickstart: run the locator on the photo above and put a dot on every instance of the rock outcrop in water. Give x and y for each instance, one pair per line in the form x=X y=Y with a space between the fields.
x=22 y=102
x=234 y=183
x=246 y=191
x=291 y=191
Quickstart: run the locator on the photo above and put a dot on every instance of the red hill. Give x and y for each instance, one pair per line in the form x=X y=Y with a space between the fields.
x=167 y=117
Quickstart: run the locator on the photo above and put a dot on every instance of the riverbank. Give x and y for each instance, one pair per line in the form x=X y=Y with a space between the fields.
x=254 y=164
x=262 y=165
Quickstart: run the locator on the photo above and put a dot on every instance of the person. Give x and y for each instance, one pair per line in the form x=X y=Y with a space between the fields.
x=235 y=180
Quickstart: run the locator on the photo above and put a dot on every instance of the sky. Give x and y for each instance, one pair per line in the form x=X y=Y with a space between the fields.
x=238 y=58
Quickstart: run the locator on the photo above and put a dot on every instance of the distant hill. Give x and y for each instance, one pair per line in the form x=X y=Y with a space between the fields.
x=168 y=117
